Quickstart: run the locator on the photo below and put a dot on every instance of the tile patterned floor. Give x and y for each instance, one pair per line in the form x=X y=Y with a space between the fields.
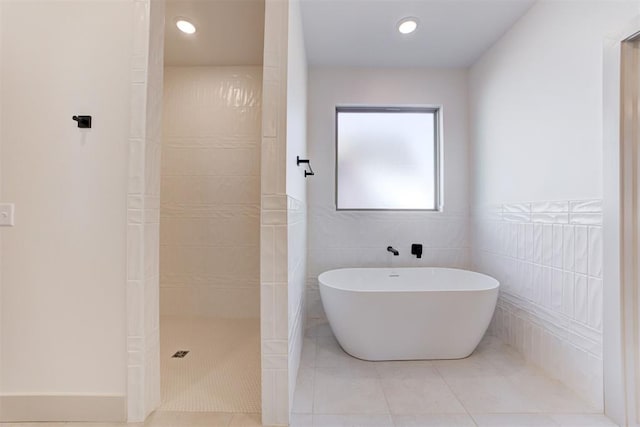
x=216 y=385
x=168 y=419
x=494 y=387
x=221 y=373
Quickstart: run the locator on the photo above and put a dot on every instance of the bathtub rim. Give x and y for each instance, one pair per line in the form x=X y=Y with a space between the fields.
x=495 y=287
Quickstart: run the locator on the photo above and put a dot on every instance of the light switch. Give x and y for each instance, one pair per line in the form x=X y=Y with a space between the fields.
x=7 y=214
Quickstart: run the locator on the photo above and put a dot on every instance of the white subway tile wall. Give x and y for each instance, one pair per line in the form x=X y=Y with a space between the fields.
x=274 y=320
x=210 y=206
x=342 y=239
x=274 y=280
x=143 y=206
x=548 y=258
x=297 y=273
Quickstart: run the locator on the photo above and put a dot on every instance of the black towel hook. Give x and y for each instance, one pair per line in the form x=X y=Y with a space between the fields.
x=84 y=122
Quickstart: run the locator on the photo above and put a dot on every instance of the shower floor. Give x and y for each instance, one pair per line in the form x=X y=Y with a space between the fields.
x=221 y=372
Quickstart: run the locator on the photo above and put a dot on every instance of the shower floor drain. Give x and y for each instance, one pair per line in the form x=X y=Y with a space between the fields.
x=180 y=354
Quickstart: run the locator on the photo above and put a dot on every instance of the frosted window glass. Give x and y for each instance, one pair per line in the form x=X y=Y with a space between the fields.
x=386 y=159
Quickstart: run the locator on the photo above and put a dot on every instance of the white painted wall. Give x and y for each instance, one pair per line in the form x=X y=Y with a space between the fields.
x=210 y=198
x=359 y=238
x=1 y=233
x=296 y=103
x=63 y=264
x=296 y=189
x=536 y=104
x=536 y=118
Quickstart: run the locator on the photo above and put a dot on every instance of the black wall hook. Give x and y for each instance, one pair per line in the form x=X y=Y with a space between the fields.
x=306 y=172
x=83 y=121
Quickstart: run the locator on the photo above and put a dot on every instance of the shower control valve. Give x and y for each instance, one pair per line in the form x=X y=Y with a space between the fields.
x=416 y=249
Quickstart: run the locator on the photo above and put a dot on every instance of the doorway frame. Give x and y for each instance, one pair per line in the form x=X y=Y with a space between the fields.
x=621 y=351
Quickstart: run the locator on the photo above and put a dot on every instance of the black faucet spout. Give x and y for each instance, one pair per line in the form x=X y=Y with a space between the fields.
x=393 y=251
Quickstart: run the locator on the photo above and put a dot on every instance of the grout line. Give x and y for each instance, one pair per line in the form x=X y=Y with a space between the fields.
x=456 y=395
x=384 y=393
x=315 y=367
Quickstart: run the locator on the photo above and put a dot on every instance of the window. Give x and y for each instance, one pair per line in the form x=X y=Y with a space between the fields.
x=387 y=158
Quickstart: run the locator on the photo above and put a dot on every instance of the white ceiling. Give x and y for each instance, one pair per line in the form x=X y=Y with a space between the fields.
x=229 y=32
x=451 y=33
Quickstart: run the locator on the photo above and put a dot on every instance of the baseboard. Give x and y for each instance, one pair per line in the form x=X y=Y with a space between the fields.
x=38 y=408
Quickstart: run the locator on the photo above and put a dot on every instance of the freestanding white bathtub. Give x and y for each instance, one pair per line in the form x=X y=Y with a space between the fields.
x=408 y=313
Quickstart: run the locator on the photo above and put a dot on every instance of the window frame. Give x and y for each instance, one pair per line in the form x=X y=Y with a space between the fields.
x=437 y=117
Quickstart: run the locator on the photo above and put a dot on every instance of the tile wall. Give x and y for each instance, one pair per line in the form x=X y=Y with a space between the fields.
x=283 y=268
x=273 y=220
x=274 y=329
x=210 y=204
x=548 y=259
x=341 y=239
x=297 y=273
x=143 y=211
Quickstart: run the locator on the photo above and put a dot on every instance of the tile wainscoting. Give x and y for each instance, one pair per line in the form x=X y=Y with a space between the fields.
x=548 y=259
x=297 y=272
x=344 y=239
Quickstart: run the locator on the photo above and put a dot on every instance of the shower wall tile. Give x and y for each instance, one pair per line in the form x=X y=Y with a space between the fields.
x=210 y=190
x=215 y=230
x=550 y=305
x=210 y=202
x=136 y=320
x=277 y=277
x=143 y=369
x=267 y=254
x=138 y=109
x=212 y=161
x=230 y=303
x=136 y=166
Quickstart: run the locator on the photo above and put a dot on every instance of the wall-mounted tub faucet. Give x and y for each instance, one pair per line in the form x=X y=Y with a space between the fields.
x=392 y=250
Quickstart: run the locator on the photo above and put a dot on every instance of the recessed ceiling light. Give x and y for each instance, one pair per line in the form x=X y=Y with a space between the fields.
x=185 y=26
x=407 y=25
